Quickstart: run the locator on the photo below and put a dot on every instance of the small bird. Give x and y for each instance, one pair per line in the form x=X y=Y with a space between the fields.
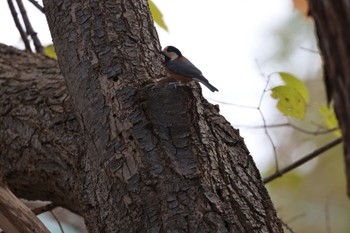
x=181 y=69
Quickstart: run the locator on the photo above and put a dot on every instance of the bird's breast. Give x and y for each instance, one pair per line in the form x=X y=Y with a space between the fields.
x=179 y=77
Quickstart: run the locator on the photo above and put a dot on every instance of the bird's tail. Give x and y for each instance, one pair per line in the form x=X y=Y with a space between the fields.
x=206 y=83
x=211 y=87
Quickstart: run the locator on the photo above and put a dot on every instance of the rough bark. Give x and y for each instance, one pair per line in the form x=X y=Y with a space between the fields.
x=146 y=157
x=332 y=26
x=40 y=138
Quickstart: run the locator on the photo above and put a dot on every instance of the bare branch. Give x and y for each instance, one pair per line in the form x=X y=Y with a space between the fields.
x=44 y=208
x=287 y=227
x=327 y=216
x=295 y=218
x=318 y=132
x=37 y=5
x=278 y=172
x=264 y=120
x=39 y=207
x=303 y=160
x=29 y=28
x=19 y=26
x=311 y=50
x=232 y=104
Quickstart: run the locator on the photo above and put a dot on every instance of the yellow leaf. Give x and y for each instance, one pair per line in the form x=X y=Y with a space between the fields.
x=291 y=103
x=50 y=51
x=330 y=119
x=292 y=81
x=157 y=15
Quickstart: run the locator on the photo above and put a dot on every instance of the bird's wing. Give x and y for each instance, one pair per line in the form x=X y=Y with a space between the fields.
x=185 y=68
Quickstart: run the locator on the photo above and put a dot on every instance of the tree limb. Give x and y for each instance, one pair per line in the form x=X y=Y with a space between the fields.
x=44 y=208
x=37 y=5
x=15 y=217
x=39 y=135
x=303 y=160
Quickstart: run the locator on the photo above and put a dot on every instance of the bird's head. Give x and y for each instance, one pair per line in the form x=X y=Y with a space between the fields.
x=171 y=52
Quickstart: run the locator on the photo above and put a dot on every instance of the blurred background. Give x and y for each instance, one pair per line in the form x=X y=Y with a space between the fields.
x=239 y=45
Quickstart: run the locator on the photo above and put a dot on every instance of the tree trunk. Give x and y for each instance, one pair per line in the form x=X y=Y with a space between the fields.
x=147 y=157
x=332 y=26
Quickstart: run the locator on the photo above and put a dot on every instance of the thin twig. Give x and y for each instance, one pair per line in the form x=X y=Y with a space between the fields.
x=303 y=160
x=267 y=79
x=287 y=227
x=294 y=127
x=29 y=28
x=315 y=133
x=311 y=50
x=295 y=218
x=278 y=172
x=264 y=121
x=58 y=221
x=44 y=208
x=232 y=104
x=19 y=26
x=327 y=216
x=37 y=5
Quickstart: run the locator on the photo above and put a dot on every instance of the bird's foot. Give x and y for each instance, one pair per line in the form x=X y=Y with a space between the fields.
x=176 y=84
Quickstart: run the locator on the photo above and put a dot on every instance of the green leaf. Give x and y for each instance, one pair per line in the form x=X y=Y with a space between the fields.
x=330 y=119
x=292 y=81
x=157 y=15
x=291 y=103
x=50 y=51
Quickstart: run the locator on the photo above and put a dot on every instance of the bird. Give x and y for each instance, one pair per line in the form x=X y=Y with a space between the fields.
x=181 y=69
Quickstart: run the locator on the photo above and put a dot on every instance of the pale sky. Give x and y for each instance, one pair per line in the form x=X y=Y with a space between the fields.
x=225 y=39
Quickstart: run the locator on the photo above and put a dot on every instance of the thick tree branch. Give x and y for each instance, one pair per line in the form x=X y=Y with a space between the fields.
x=15 y=217
x=39 y=136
